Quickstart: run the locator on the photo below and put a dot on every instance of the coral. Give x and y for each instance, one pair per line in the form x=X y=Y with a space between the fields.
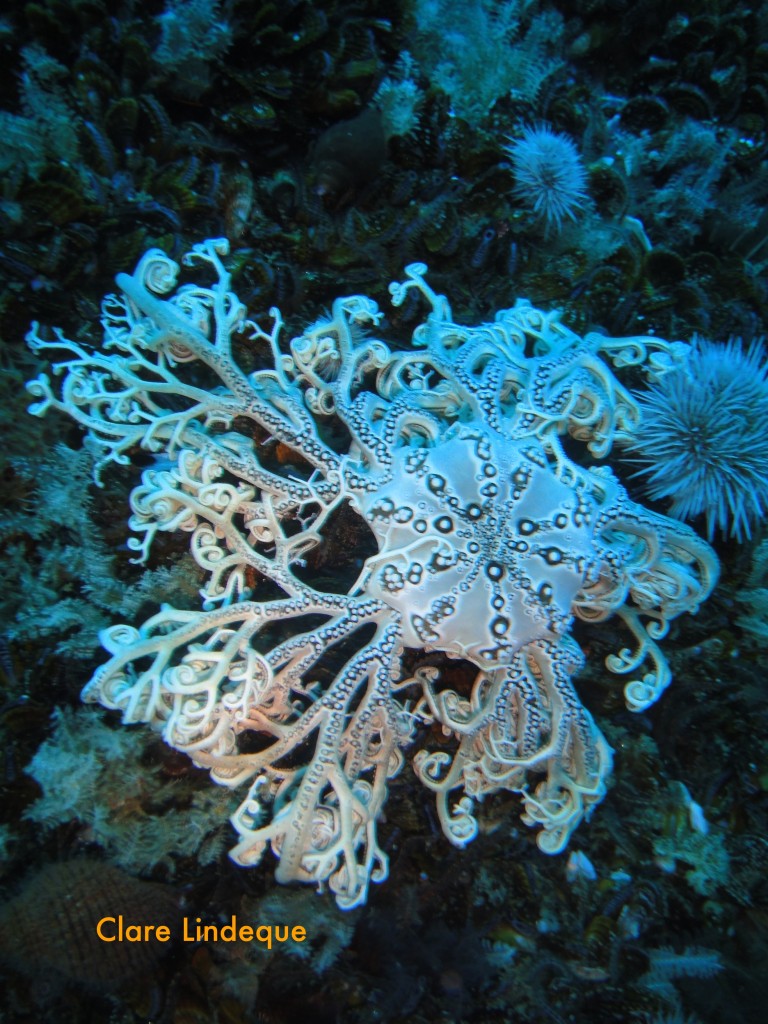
x=329 y=935
x=665 y=966
x=399 y=98
x=549 y=175
x=61 y=564
x=192 y=34
x=95 y=775
x=690 y=165
x=75 y=763
x=703 y=441
x=45 y=129
x=480 y=51
x=487 y=540
x=704 y=853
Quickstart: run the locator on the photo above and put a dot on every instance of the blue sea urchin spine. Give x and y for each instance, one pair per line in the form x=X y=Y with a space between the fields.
x=704 y=439
x=549 y=175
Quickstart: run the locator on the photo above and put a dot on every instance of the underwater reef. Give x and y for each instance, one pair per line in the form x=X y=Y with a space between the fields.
x=409 y=672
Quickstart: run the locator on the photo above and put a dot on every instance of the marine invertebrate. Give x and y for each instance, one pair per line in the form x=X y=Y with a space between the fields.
x=480 y=51
x=703 y=442
x=48 y=929
x=45 y=126
x=349 y=154
x=192 y=35
x=93 y=774
x=489 y=538
x=549 y=176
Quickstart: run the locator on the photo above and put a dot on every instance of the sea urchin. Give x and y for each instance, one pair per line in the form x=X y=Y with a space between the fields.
x=704 y=439
x=549 y=176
